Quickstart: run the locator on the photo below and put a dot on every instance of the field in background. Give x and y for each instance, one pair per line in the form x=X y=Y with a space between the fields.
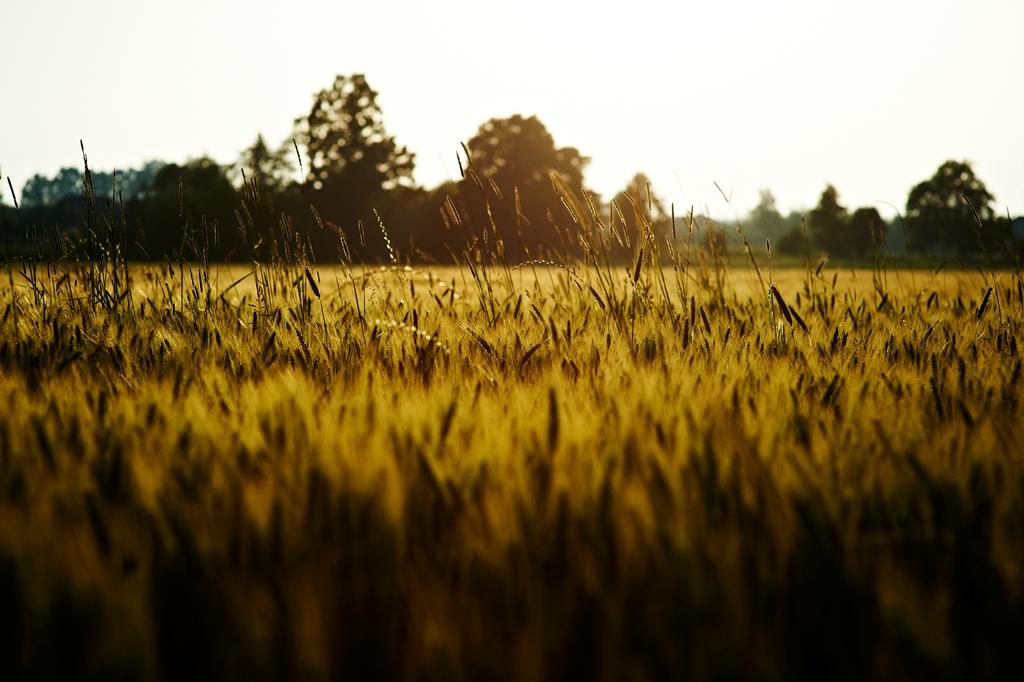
x=510 y=473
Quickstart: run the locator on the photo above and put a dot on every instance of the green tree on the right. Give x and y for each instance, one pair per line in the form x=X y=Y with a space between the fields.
x=953 y=210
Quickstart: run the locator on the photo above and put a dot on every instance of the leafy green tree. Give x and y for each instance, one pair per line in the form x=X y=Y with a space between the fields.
x=828 y=223
x=944 y=210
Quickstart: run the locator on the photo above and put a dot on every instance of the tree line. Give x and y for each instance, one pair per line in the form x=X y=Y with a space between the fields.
x=341 y=187
x=951 y=212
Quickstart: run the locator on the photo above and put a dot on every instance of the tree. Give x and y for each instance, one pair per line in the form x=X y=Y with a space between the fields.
x=268 y=169
x=765 y=220
x=518 y=151
x=828 y=223
x=641 y=203
x=636 y=208
x=352 y=165
x=191 y=210
x=940 y=213
x=346 y=141
x=511 y=165
x=135 y=183
x=792 y=243
x=866 y=230
x=42 y=191
x=263 y=174
x=68 y=183
x=432 y=232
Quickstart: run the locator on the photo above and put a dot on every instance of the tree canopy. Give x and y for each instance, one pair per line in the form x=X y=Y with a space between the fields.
x=828 y=222
x=191 y=210
x=510 y=182
x=131 y=183
x=635 y=208
x=352 y=162
x=520 y=152
x=347 y=147
x=343 y=186
x=834 y=230
x=270 y=169
x=767 y=222
x=945 y=211
x=865 y=230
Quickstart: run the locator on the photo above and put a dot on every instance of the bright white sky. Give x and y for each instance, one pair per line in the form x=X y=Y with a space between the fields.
x=871 y=95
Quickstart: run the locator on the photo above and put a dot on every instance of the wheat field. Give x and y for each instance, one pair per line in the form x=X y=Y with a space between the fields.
x=522 y=473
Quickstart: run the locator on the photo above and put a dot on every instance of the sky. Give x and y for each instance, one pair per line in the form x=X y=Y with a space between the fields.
x=869 y=95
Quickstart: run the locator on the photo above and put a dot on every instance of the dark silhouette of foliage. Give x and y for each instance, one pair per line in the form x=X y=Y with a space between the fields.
x=766 y=222
x=269 y=196
x=784 y=232
x=866 y=231
x=944 y=211
x=352 y=163
x=345 y=139
x=520 y=152
x=430 y=223
x=834 y=230
x=520 y=197
x=272 y=170
x=792 y=243
x=41 y=191
x=634 y=210
x=509 y=190
x=828 y=222
x=130 y=184
x=190 y=212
